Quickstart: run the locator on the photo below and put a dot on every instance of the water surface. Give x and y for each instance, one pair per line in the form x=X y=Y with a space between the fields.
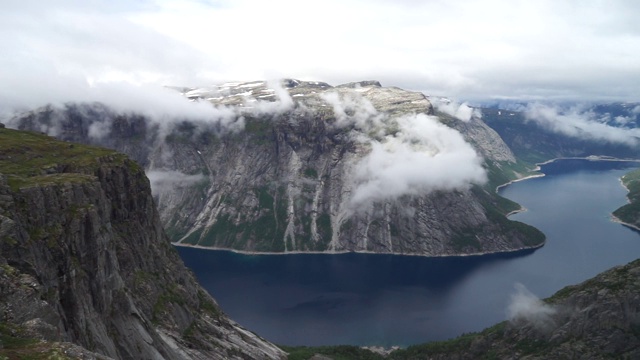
x=369 y=299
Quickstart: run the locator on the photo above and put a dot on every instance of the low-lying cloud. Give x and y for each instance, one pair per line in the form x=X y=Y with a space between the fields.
x=409 y=155
x=353 y=110
x=579 y=123
x=528 y=308
x=283 y=101
x=163 y=181
x=461 y=111
x=423 y=156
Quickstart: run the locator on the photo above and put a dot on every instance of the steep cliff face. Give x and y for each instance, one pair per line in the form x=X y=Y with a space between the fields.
x=84 y=260
x=311 y=167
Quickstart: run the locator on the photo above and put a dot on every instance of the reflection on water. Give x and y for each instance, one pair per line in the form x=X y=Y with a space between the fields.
x=368 y=299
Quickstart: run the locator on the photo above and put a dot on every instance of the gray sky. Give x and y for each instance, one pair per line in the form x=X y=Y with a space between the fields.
x=469 y=50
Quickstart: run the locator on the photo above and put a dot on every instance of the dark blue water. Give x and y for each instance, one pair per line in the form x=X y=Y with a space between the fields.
x=366 y=299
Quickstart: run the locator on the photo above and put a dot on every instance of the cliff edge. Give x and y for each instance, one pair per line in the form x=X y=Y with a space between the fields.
x=85 y=264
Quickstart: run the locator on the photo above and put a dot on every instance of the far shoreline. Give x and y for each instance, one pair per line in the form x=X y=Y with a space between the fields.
x=478 y=254
x=342 y=252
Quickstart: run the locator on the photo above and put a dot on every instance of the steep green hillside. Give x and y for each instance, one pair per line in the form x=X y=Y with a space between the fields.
x=630 y=213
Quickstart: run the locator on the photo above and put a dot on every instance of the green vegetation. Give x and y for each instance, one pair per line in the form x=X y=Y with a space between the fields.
x=13 y=337
x=323 y=222
x=261 y=130
x=208 y=306
x=500 y=173
x=495 y=209
x=30 y=159
x=169 y=296
x=340 y=352
x=615 y=280
x=311 y=173
x=460 y=344
x=16 y=344
x=263 y=234
x=466 y=240
x=630 y=213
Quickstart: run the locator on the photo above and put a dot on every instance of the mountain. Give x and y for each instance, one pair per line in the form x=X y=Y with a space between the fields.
x=305 y=166
x=86 y=270
x=584 y=134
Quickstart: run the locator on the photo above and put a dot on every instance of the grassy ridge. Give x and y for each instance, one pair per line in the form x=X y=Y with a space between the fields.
x=29 y=159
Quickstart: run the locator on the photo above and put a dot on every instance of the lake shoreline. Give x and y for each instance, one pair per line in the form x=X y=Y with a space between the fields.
x=257 y=253
x=483 y=253
x=387 y=301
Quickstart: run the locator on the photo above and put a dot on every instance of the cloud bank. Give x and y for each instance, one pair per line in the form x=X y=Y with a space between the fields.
x=353 y=110
x=579 y=123
x=495 y=49
x=165 y=181
x=421 y=157
x=460 y=111
x=528 y=308
x=408 y=155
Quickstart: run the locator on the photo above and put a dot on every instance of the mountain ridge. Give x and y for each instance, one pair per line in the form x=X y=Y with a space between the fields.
x=315 y=169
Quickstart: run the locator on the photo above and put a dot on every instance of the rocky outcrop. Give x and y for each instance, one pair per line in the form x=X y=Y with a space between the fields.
x=292 y=179
x=84 y=260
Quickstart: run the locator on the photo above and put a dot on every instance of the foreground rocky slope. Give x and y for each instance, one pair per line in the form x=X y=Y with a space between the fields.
x=84 y=260
x=598 y=319
x=311 y=167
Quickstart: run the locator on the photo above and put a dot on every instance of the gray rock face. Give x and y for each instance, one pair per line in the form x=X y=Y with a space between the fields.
x=293 y=179
x=84 y=260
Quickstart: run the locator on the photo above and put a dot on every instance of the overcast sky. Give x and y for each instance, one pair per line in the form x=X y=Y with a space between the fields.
x=467 y=50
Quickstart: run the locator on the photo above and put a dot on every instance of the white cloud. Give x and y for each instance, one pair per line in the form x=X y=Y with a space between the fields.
x=409 y=155
x=473 y=50
x=527 y=307
x=163 y=181
x=283 y=101
x=351 y=109
x=460 y=111
x=580 y=123
x=421 y=157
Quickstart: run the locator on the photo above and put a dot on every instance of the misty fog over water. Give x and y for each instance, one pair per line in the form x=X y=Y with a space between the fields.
x=368 y=299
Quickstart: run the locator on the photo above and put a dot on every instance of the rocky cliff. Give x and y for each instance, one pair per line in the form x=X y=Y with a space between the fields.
x=86 y=266
x=304 y=166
